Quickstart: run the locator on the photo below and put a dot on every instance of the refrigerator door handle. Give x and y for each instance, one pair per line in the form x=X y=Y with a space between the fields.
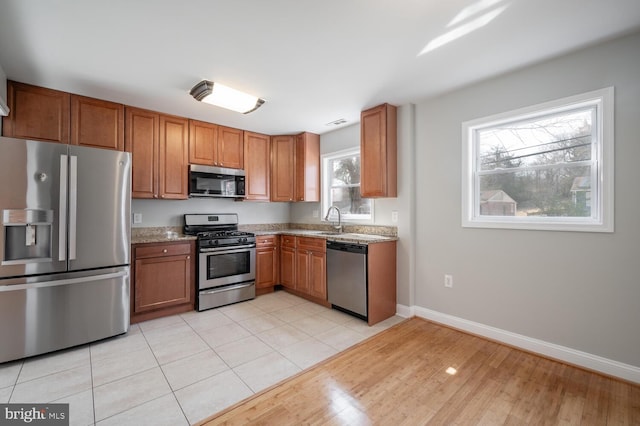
x=57 y=283
x=62 y=213
x=73 y=205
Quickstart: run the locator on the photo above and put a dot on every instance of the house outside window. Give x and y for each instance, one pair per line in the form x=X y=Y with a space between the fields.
x=546 y=167
x=341 y=186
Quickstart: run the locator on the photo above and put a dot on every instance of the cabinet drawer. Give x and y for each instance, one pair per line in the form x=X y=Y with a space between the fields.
x=266 y=241
x=313 y=244
x=158 y=250
x=289 y=241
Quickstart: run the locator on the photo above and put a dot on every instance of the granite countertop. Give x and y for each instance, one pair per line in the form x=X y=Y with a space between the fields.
x=350 y=237
x=159 y=235
x=360 y=234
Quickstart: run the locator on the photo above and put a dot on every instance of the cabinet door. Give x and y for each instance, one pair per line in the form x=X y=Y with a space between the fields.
x=230 y=147
x=266 y=267
x=378 y=152
x=257 y=158
x=141 y=140
x=287 y=267
x=203 y=142
x=174 y=157
x=307 y=165
x=161 y=282
x=97 y=123
x=318 y=275
x=37 y=113
x=282 y=168
x=303 y=267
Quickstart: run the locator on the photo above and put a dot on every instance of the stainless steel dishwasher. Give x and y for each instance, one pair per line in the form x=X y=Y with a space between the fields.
x=347 y=277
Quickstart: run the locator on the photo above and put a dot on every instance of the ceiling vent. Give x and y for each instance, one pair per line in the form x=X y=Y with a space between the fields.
x=337 y=122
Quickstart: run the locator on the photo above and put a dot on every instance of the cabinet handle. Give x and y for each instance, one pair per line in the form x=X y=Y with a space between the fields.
x=188 y=257
x=155 y=195
x=164 y=250
x=162 y=196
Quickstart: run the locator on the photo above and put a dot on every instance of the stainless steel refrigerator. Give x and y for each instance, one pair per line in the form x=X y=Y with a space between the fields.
x=64 y=246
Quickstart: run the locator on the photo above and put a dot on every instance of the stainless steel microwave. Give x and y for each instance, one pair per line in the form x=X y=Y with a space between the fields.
x=208 y=181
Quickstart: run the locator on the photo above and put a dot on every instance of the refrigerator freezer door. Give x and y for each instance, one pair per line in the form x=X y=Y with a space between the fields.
x=30 y=188
x=57 y=313
x=99 y=208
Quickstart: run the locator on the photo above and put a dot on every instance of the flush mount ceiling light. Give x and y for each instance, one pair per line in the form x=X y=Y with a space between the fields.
x=223 y=96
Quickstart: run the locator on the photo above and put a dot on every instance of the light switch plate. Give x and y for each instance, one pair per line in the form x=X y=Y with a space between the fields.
x=137 y=218
x=394 y=216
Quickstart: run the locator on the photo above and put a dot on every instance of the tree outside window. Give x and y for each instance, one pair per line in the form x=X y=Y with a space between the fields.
x=341 y=185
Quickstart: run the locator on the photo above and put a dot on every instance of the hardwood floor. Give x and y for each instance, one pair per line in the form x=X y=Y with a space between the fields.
x=403 y=376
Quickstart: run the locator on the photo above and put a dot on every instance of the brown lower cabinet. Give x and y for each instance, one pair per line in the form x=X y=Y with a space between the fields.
x=311 y=267
x=288 y=261
x=303 y=264
x=162 y=279
x=267 y=263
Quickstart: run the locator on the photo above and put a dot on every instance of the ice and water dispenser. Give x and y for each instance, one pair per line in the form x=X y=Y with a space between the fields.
x=27 y=236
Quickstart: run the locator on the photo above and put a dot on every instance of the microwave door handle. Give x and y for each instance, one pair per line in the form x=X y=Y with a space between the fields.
x=62 y=213
x=73 y=205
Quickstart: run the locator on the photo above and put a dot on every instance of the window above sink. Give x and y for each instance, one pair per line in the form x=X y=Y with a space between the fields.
x=341 y=186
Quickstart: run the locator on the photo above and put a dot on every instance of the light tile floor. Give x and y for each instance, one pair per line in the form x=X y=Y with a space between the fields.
x=181 y=369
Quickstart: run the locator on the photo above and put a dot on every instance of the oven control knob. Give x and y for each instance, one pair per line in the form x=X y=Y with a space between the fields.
x=216 y=242
x=243 y=240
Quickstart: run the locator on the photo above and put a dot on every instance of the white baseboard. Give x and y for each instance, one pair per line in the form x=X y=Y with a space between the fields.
x=404 y=311
x=551 y=350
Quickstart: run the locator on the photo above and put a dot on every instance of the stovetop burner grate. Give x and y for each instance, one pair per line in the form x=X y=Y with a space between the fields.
x=223 y=234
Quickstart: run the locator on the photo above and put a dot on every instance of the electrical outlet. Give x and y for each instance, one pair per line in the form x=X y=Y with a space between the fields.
x=394 y=216
x=448 y=281
x=316 y=213
x=137 y=218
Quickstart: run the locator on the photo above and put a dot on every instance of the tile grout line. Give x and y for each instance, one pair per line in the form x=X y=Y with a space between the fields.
x=163 y=373
x=15 y=382
x=93 y=397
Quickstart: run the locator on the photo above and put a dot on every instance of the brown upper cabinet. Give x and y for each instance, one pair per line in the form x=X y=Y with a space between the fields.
x=378 y=152
x=307 y=164
x=97 y=123
x=37 y=113
x=282 y=168
x=158 y=145
x=213 y=145
x=230 y=147
x=257 y=168
x=295 y=167
x=55 y=116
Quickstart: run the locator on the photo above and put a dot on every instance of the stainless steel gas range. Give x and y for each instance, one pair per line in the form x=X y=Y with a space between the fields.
x=226 y=262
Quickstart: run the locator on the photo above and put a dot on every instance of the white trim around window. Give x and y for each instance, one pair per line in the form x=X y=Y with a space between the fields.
x=326 y=199
x=496 y=152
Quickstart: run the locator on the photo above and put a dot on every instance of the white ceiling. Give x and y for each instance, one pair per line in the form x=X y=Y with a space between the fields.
x=313 y=61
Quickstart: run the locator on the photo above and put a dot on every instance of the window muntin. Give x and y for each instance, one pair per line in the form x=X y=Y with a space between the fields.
x=341 y=186
x=545 y=167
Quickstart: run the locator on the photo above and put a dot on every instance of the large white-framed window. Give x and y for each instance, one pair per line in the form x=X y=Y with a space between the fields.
x=341 y=186
x=546 y=167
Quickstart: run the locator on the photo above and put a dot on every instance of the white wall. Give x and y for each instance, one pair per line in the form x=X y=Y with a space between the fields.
x=170 y=212
x=577 y=290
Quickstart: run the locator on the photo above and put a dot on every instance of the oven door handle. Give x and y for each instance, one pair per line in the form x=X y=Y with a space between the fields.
x=234 y=249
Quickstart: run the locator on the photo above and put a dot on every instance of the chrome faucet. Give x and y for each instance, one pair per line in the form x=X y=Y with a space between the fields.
x=339 y=226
